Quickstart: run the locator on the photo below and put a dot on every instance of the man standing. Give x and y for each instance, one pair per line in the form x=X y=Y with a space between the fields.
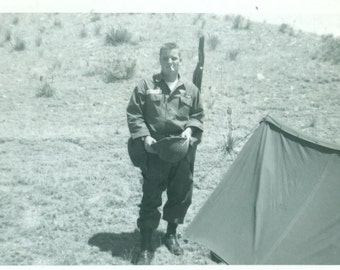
x=161 y=107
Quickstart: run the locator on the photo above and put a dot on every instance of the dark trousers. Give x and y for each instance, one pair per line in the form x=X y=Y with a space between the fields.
x=177 y=180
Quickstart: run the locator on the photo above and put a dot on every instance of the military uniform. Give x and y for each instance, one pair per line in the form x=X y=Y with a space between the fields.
x=156 y=111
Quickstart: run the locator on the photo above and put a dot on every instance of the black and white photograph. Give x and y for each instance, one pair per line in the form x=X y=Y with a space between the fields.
x=188 y=133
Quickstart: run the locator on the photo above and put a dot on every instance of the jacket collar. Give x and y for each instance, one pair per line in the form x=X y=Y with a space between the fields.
x=159 y=77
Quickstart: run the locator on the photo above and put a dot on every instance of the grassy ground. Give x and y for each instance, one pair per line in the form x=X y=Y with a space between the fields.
x=69 y=194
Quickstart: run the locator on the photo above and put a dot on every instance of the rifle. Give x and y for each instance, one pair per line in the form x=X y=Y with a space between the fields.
x=198 y=73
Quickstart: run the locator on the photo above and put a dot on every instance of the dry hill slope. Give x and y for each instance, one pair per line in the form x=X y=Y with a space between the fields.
x=69 y=194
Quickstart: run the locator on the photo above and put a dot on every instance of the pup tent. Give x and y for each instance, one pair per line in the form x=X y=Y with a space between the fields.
x=279 y=203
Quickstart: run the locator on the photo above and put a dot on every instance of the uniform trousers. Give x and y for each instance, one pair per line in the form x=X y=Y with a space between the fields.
x=176 y=179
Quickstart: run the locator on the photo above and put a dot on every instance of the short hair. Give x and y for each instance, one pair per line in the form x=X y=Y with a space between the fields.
x=170 y=46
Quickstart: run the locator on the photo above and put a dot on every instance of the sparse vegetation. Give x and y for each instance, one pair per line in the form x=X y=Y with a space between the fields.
x=57 y=23
x=330 y=49
x=115 y=37
x=63 y=139
x=45 y=89
x=19 y=44
x=286 y=29
x=232 y=54
x=229 y=142
x=213 y=41
x=239 y=22
x=119 y=69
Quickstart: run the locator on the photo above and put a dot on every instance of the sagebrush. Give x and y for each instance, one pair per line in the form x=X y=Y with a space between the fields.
x=115 y=37
x=119 y=69
x=213 y=41
x=239 y=22
x=45 y=89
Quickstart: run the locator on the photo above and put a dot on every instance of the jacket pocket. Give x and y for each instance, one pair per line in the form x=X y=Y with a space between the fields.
x=185 y=104
x=186 y=100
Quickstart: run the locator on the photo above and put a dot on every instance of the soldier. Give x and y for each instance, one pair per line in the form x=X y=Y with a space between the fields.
x=164 y=106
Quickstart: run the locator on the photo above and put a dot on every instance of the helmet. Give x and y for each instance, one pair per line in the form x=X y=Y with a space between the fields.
x=172 y=148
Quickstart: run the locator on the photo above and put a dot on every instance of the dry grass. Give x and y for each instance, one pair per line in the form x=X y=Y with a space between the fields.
x=45 y=90
x=229 y=142
x=232 y=54
x=19 y=44
x=117 y=70
x=330 y=49
x=286 y=29
x=116 y=37
x=213 y=41
x=69 y=193
x=57 y=23
x=239 y=22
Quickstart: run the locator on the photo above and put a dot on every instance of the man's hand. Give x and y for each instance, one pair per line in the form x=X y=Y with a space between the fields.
x=148 y=141
x=187 y=133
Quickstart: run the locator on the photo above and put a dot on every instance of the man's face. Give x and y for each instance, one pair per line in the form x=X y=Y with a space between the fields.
x=170 y=61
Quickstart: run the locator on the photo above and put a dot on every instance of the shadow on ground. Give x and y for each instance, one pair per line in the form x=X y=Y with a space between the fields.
x=124 y=245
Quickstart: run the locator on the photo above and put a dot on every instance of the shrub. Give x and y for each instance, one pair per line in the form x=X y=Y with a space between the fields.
x=330 y=49
x=213 y=41
x=115 y=37
x=239 y=22
x=286 y=29
x=57 y=23
x=45 y=90
x=19 y=44
x=229 y=144
x=118 y=69
x=232 y=54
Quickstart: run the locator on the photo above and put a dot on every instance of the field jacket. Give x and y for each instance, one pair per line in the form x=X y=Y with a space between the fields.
x=156 y=111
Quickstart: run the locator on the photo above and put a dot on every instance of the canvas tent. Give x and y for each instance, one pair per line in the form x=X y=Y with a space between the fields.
x=279 y=203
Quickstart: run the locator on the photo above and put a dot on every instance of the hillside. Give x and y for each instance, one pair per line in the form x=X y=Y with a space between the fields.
x=69 y=193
